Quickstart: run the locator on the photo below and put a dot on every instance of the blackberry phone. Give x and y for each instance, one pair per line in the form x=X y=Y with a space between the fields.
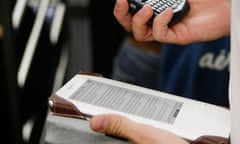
x=180 y=7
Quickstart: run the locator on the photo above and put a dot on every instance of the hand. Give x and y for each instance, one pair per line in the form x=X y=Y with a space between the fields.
x=137 y=133
x=206 y=20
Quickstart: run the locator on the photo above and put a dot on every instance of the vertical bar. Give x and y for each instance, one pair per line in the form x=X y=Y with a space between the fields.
x=234 y=91
x=9 y=88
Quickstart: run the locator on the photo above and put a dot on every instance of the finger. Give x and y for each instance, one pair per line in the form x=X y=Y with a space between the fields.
x=161 y=30
x=122 y=14
x=140 y=26
x=118 y=126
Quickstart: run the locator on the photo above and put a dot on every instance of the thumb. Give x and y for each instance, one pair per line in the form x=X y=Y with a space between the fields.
x=116 y=125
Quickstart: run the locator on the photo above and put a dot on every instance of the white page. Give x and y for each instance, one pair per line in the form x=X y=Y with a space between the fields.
x=235 y=73
x=184 y=117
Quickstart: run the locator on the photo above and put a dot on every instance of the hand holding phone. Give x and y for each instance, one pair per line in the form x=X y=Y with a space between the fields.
x=180 y=7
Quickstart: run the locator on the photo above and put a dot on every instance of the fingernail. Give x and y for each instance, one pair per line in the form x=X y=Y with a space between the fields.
x=99 y=123
x=166 y=11
x=117 y=5
x=144 y=11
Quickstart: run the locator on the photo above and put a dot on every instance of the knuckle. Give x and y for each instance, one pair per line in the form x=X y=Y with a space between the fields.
x=116 y=127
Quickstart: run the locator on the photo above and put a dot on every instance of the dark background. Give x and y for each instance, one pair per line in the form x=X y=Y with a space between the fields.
x=19 y=104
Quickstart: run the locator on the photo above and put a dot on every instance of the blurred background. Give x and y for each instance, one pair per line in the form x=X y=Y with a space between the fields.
x=43 y=43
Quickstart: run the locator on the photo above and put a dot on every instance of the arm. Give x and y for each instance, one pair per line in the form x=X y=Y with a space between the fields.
x=206 y=20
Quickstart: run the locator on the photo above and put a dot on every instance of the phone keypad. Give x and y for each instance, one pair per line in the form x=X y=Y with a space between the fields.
x=161 y=5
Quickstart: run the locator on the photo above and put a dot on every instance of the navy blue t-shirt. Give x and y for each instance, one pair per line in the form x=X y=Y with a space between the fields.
x=198 y=71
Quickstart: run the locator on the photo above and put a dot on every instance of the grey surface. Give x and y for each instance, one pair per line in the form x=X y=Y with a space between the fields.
x=80 y=48
x=63 y=130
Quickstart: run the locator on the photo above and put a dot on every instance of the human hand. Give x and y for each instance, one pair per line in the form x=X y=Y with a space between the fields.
x=119 y=126
x=206 y=20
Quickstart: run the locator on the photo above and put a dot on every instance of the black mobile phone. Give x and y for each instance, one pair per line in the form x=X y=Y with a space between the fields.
x=180 y=7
